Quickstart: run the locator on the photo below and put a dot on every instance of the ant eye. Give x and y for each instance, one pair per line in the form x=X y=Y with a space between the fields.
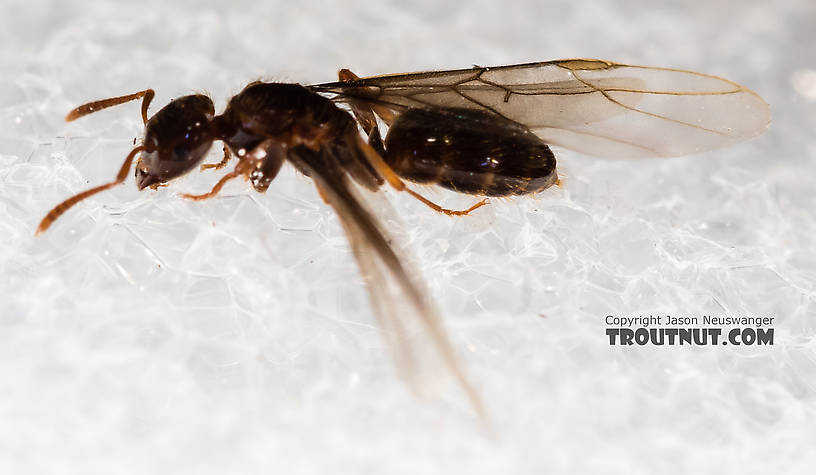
x=176 y=140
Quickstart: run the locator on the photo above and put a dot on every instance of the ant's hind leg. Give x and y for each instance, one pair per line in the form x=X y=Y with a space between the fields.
x=95 y=106
x=385 y=171
x=221 y=164
x=374 y=148
x=440 y=209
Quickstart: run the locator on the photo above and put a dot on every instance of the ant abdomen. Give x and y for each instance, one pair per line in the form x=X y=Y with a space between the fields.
x=469 y=151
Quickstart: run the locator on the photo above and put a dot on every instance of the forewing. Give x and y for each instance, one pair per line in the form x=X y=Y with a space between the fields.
x=409 y=321
x=591 y=106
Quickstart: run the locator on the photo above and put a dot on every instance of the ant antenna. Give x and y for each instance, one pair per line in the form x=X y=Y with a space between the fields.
x=96 y=106
x=67 y=204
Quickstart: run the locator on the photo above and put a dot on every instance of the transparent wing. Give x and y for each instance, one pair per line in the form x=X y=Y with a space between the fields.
x=410 y=323
x=591 y=106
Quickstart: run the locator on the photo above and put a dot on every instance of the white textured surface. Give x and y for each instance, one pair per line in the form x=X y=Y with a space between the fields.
x=147 y=334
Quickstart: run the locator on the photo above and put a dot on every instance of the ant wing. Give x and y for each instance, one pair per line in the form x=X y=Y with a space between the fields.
x=410 y=323
x=591 y=106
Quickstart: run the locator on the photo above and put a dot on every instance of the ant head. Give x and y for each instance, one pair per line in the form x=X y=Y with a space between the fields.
x=176 y=139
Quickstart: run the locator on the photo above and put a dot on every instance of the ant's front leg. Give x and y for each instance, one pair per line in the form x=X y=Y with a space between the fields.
x=260 y=166
x=215 y=189
x=221 y=164
x=242 y=168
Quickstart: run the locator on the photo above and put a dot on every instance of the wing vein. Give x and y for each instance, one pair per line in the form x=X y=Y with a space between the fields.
x=601 y=108
x=634 y=109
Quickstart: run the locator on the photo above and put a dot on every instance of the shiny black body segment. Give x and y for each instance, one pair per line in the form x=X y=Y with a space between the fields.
x=469 y=151
x=176 y=139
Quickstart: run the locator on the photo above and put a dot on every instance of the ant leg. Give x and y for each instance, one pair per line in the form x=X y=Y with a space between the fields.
x=245 y=167
x=363 y=110
x=323 y=195
x=215 y=189
x=345 y=75
x=440 y=209
x=96 y=106
x=394 y=180
x=67 y=204
x=221 y=164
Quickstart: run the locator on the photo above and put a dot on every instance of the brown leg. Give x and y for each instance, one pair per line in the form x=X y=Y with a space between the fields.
x=221 y=164
x=440 y=209
x=322 y=194
x=67 y=204
x=365 y=116
x=345 y=75
x=364 y=111
x=215 y=189
x=394 y=180
x=244 y=167
x=95 y=106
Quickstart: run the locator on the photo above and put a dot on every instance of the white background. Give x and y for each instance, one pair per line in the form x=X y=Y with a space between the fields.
x=147 y=334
